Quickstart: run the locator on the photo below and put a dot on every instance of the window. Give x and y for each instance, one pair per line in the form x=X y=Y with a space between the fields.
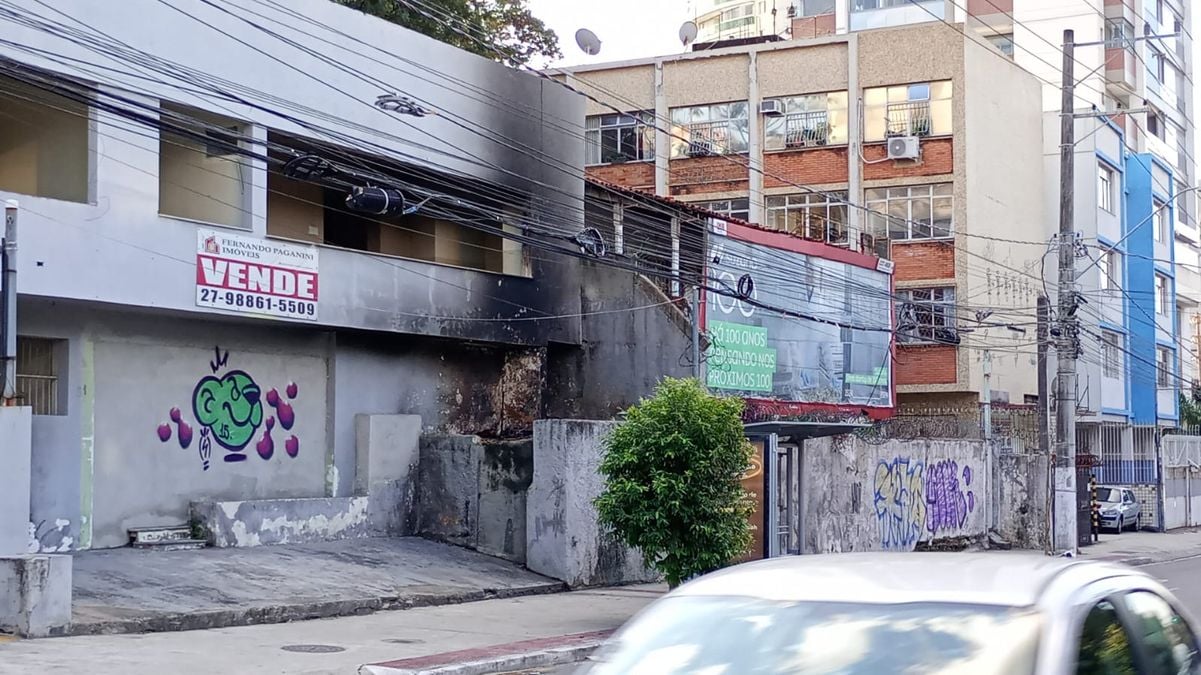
x=1105 y=188
x=613 y=139
x=1156 y=64
x=1163 y=223
x=43 y=143
x=926 y=315
x=38 y=364
x=1163 y=368
x=734 y=208
x=705 y=130
x=808 y=121
x=1003 y=42
x=813 y=216
x=1112 y=358
x=1167 y=640
x=1110 y=264
x=920 y=109
x=817 y=7
x=1159 y=11
x=1161 y=295
x=862 y=5
x=911 y=212
x=1118 y=33
x=204 y=181
x=1105 y=647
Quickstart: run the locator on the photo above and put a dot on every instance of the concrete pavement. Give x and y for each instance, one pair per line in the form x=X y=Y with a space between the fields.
x=330 y=646
x=1143 y=548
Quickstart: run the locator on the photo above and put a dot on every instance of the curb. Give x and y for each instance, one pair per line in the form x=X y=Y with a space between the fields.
x=539 y=653
x=178 y=621
x=1144 y=560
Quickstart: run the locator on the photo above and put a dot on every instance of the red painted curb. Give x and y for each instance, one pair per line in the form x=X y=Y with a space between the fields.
x=495 y=651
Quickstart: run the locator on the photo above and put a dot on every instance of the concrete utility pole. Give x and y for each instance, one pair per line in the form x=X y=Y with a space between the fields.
x=986 y=409
x=1065 y=537
x=1044 y=478
x=696 y=334
x=8 y=306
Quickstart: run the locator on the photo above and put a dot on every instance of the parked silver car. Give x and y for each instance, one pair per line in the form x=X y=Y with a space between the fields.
x=881 y=613
x=1120 y=509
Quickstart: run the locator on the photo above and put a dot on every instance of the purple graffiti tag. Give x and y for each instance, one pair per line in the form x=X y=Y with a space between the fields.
x=164 y=432
x=947 y=504
x=293 y=390
x=292 y=446
x=266 y=446
x=185 y=434
x=287 y=416
x=967 y=476
x=900 y=505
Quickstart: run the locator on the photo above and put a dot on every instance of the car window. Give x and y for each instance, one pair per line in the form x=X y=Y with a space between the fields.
x=1168 y=641
x=1129 y=496
x=1108 y=495
x=1105 y=647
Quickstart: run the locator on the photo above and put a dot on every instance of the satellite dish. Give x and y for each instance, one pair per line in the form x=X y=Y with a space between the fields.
x=688 y=33
x=589 y=43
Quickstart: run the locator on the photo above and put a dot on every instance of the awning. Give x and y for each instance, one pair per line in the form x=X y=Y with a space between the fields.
x=802 y=430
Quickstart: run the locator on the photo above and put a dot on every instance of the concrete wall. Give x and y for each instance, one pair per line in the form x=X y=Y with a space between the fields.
x=35 y=595
x=1020 y=495
x=15 y=455
x=898 y=495
x=564 y=539
x=473 y=493
x=386 y=470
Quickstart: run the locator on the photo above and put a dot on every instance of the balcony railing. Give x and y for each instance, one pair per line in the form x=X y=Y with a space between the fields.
x=708 y=138
x=807 y=130
x=909 y=119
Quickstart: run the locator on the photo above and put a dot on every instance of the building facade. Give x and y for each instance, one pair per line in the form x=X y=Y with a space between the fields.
x=718 y=20
x=795 y=136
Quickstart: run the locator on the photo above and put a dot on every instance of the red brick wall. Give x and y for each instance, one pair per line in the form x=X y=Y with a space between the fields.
x=814 y=26
x=815 y=165
x=630 y=174
x=925 y=364
x=698 y=175
x=938 y=157
x=923 y=260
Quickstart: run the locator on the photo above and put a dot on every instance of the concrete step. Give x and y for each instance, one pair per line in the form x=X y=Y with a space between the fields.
x=172 y=545
x=140 y=536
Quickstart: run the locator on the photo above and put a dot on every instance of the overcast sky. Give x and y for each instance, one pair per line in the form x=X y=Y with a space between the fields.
x=627 y=28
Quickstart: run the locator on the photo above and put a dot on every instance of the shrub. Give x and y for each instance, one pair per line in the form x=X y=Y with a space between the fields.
x=673 y=487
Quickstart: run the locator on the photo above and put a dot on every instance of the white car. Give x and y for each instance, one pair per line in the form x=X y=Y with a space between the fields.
x=1120 y=509
x=882 y=613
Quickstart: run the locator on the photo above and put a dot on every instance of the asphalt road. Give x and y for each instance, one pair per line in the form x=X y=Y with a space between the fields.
x=1180 y=576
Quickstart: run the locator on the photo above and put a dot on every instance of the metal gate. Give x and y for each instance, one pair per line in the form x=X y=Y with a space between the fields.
x=1181 y=481
x=785 y=491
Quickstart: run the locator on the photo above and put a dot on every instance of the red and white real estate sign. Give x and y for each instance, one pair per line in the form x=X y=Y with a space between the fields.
x=256 y=276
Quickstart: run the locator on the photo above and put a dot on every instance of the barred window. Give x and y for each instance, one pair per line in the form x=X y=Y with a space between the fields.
x=704 y=130
x=918 y=109
x=926 y=315
x=808 y=121
x=38 y=375
x=817 y=217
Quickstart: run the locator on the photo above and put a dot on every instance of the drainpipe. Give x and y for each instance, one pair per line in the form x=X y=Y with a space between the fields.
x=8 y=304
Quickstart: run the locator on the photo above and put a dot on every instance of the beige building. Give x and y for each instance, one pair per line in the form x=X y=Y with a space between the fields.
x=941 y=133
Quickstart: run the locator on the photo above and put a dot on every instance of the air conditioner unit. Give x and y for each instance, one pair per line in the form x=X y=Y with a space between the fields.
x=701 y=148
x=772 y=108
x=904 y=147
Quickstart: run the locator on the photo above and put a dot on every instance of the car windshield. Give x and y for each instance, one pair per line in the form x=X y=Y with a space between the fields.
x=730 y=635
x=1111 y=495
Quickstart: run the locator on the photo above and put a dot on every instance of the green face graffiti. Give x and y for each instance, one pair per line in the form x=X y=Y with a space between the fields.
x=230 y=406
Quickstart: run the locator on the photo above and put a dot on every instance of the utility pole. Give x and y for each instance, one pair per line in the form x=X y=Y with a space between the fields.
x=1043 y=479
x=986 y=409
x=8 y=306
x=1065 y=513
x=696 y=333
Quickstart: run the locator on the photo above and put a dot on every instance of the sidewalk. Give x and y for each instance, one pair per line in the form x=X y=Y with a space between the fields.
x=1145 y=548
x=332 y=646
x=131 y=590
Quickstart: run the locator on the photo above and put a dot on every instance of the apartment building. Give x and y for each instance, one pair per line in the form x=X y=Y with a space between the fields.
x=914 y=143
x=718 y=20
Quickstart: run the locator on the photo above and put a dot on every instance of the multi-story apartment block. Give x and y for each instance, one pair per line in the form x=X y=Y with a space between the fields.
x=718 y=20
x=915 y=143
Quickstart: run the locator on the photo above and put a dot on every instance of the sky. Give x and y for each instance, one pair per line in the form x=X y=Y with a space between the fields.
x=627 y=28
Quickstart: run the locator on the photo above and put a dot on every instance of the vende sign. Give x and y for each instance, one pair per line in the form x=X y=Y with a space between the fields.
x=256 y=276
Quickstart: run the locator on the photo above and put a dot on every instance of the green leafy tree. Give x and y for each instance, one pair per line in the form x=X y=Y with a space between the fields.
x=1190 y=412
x=673 y=487
x=481 y=27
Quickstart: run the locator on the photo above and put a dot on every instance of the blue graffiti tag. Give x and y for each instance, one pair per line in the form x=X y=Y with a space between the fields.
x=900 y=503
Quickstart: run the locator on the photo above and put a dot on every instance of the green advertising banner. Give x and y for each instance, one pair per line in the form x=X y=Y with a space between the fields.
x=739 y=358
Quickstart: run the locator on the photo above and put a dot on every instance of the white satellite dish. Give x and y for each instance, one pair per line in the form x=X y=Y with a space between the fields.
x=688 y=33
x=589 y=43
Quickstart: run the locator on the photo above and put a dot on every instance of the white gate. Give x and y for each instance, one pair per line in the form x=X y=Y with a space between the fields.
x=1181 y=481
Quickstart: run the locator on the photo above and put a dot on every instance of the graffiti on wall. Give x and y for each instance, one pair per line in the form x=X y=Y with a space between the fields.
x=912 y=500
x=229 y=409
x=47 y=537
